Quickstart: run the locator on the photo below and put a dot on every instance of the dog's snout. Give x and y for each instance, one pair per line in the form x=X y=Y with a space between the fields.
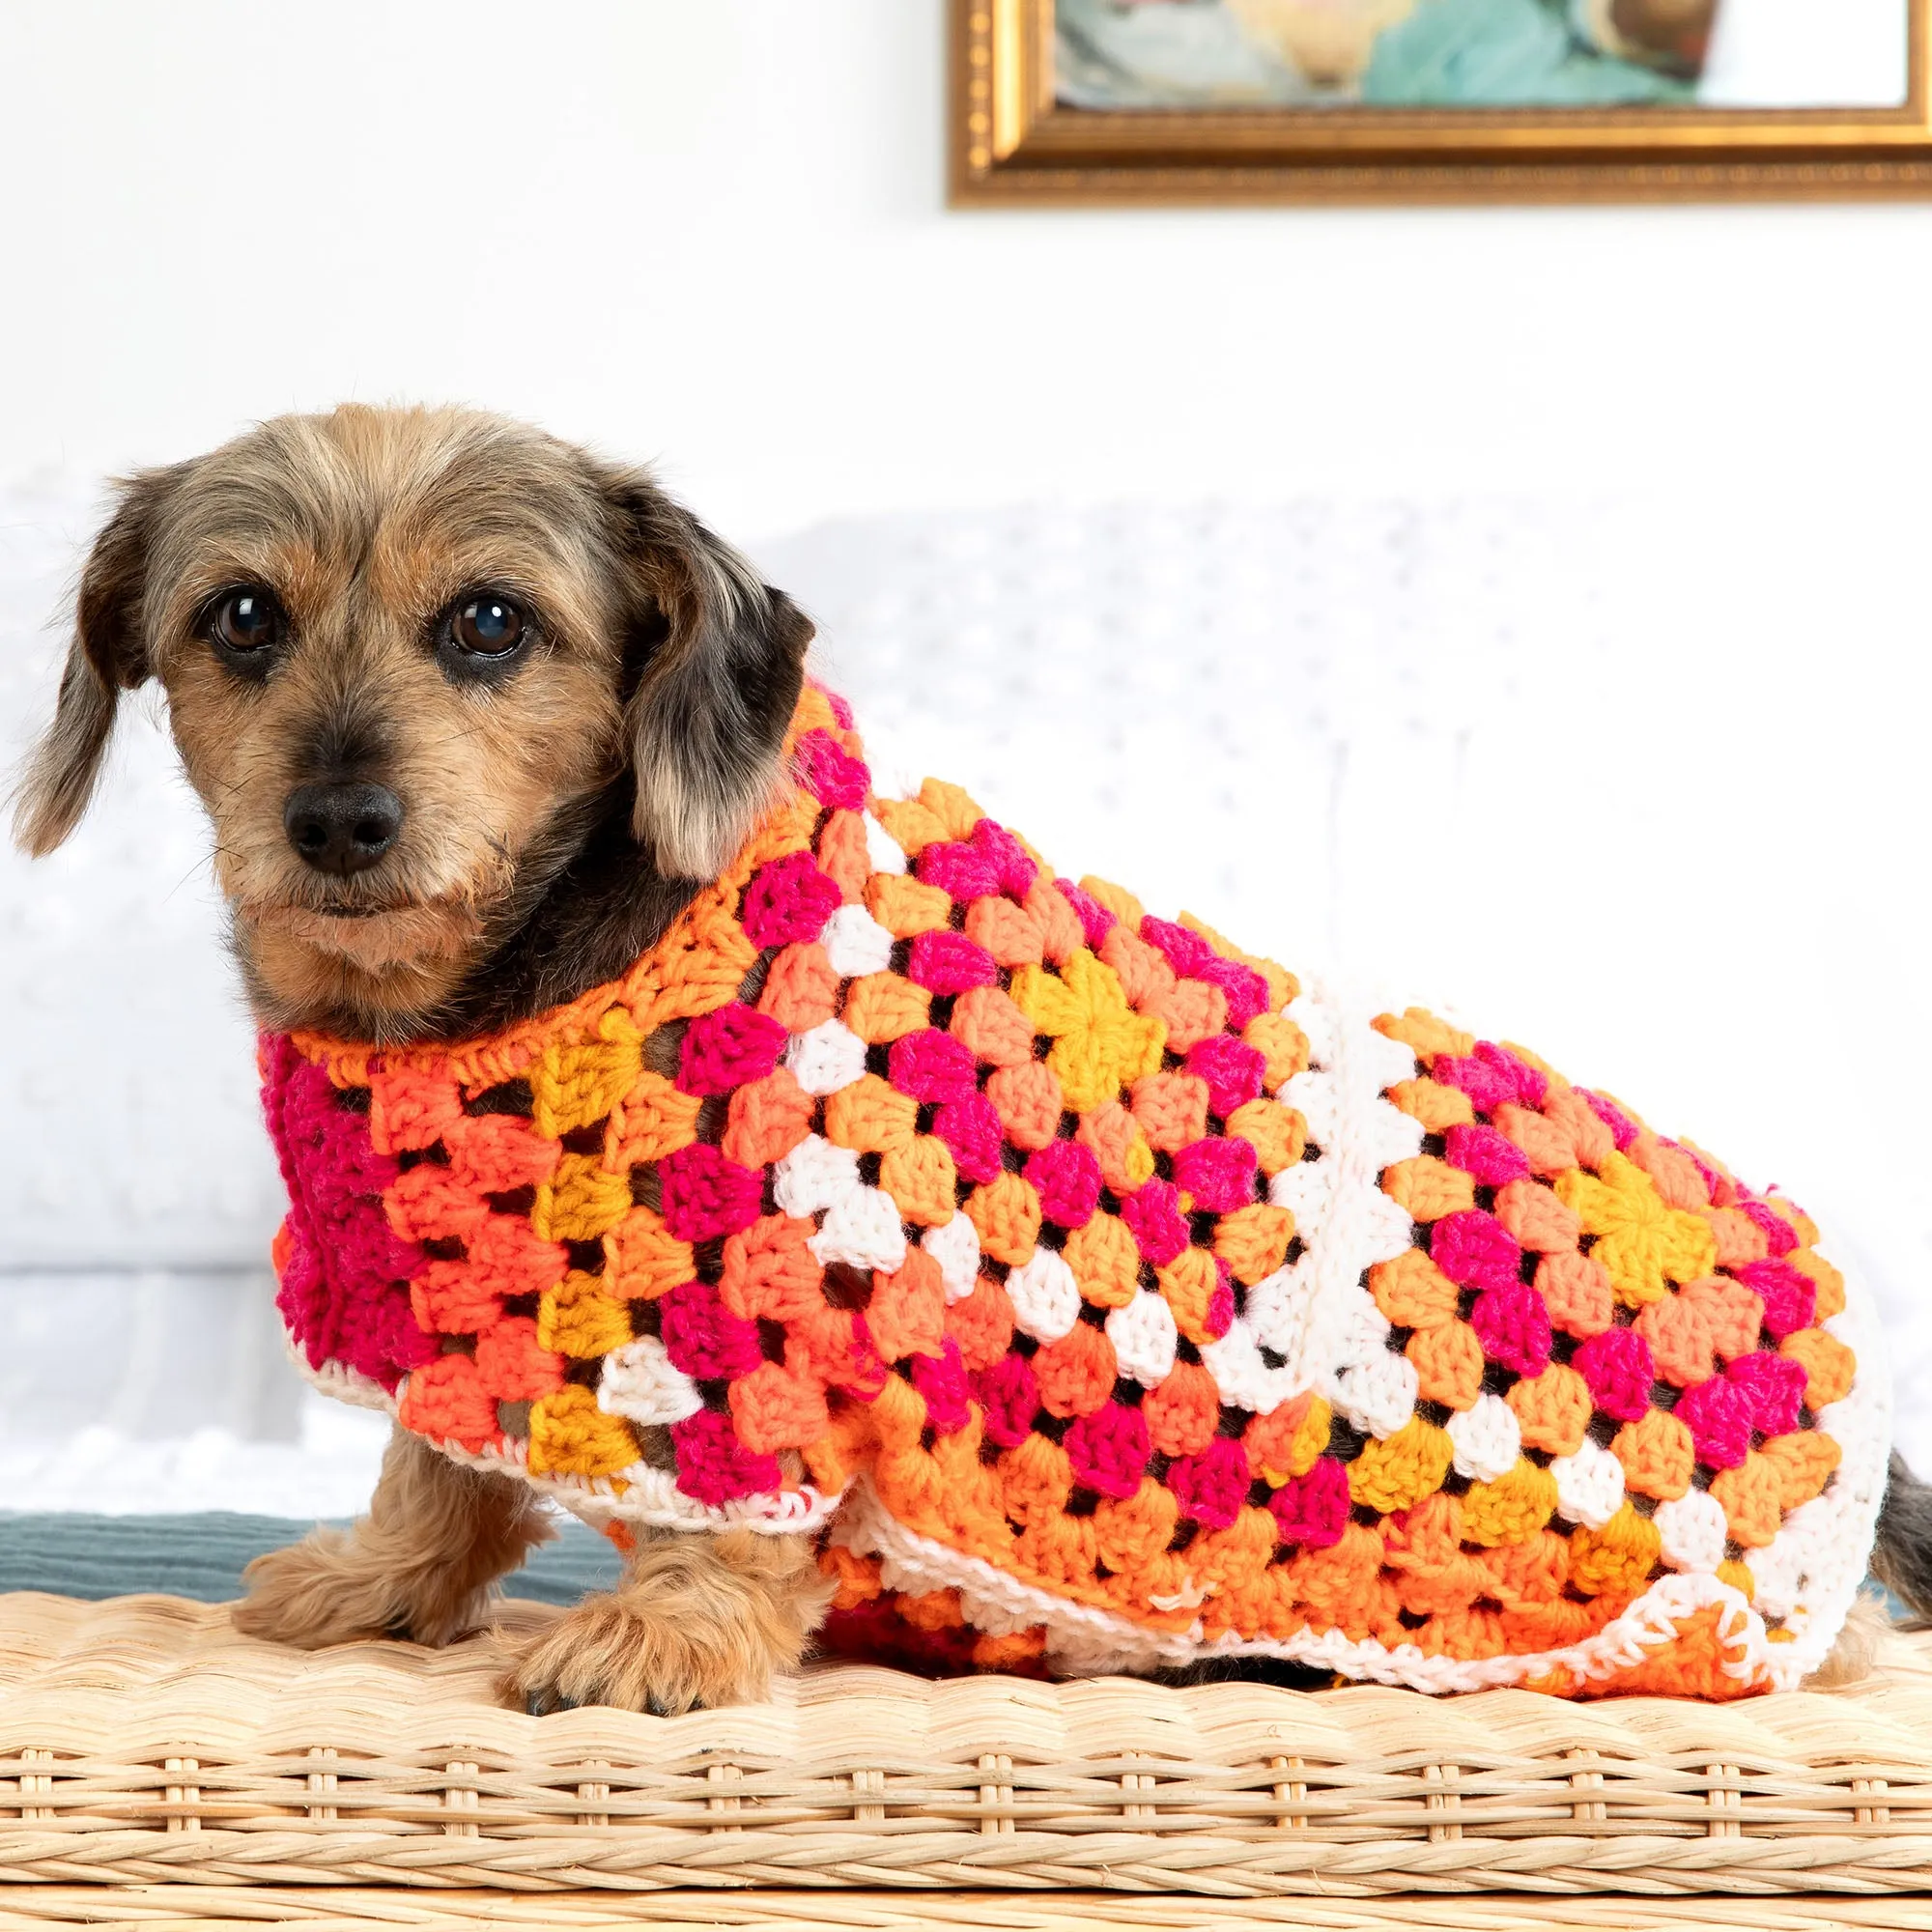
x=342 y=828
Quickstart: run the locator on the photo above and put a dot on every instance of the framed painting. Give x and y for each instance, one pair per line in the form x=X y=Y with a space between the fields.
x=1256 y=101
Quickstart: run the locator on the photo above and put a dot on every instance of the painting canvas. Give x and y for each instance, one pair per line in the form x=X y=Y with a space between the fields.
x=1216 y=100
x=1287 y=54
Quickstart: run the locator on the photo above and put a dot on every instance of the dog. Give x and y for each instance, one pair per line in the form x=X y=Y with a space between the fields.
x=890 y=1244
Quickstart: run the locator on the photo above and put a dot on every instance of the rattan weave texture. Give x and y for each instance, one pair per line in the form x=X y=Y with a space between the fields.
x=343 y=1909
x=141 y=1740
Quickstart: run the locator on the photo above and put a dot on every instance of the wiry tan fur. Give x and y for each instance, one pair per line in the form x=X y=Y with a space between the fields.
x=662 y=665
x=421 y=1564
x=368 y=523
x=697 y=1620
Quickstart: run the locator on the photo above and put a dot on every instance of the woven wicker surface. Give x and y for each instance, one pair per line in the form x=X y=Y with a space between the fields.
x=302 y=1909
x=141 y=1740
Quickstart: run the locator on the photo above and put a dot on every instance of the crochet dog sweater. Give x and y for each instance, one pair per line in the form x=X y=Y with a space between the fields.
x=1101 y=1298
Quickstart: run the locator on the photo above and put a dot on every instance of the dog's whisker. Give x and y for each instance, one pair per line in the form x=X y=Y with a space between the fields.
x=202 y=865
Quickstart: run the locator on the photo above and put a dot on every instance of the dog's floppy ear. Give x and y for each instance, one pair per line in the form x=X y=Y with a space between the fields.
x=718 y=661
x=108 y=655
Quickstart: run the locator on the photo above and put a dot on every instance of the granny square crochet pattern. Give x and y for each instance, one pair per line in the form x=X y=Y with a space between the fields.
x=1100 y=1297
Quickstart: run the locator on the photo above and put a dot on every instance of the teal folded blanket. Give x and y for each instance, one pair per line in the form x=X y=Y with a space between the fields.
x=1503 y=53
x=203 y=1556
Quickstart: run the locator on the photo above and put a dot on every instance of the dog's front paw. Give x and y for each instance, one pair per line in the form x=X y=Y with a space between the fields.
x=329 y=1589
x=298 y=1596
x=611 y=1651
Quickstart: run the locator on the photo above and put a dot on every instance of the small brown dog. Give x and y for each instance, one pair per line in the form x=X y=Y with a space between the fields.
x=1279 y=1351
x=418 y=841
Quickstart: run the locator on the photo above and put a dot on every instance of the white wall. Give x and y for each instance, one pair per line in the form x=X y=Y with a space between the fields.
x=711 y=231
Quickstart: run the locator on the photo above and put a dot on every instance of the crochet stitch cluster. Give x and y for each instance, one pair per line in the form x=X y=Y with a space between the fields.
x=1099 y=1294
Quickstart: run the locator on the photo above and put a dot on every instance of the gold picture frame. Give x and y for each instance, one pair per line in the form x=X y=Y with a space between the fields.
x=1013 y=144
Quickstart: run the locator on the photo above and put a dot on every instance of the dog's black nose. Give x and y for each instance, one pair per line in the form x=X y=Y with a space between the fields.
x=342 y=828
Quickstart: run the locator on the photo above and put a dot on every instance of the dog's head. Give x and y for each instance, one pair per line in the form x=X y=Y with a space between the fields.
x=413 y=660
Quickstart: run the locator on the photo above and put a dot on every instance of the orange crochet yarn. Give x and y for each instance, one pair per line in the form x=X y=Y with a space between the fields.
x=1098 y=1295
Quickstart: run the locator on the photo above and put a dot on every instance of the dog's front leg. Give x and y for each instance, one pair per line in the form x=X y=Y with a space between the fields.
x=420 y=1565
x=698 y=1619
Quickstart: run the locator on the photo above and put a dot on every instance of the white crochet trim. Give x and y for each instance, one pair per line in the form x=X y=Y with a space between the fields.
x=1817 y=1560
x=1145 y=1338
x=1315 y=1313
x=641 y=1381
x=862 y=1228
x=828 y=1057
x=1044 y=1295
x=1693 y=1527
x=955 y=1245
x=336 y=1378
x=1589 y=1486
x=1082 y=1640
x=883 y=852
x=1487 y=1439
x=855 y=943
x=814 y=1176
x=1242 y=1375
x=650 y=1498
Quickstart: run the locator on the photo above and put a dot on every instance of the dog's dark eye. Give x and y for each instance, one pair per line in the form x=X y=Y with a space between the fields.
x=489 y=626
x=247 y=621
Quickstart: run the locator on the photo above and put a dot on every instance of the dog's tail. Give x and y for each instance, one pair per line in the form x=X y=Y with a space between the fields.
x=1902 y=1554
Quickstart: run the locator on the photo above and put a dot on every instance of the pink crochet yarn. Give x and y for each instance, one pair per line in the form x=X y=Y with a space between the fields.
x=1513 y=1324
x=1212 y=1485
x=834 y=778
x=1246 y=990
x=1153 y=1217
x=969 y=1127
x=788 y=900
x=703 y=1338
x=1313 y=1509
x=1187 y=952
x=1067 y=1178
x=727 y=1048
x=1096 y=920
x=949 y=962
x=1774 y=1385
x=932 y=1065
x=1232 y=1069
x=1777 y=1230
x=1219 y=1173
x=713 y=1465
x=1014 y=872
x=1483 y=1153
x=1008 y=1395
x=703 y=1195
x=1220 y=1314
x=1493 y=1077
x=1617 y=1366
x=1623 y=1129
x=338 y=1292
x=1109 y=1449
x=1790 y=1300
x=1717 y=1414
x=961 y=872
x=942 y=1380
x=1475 y=1250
